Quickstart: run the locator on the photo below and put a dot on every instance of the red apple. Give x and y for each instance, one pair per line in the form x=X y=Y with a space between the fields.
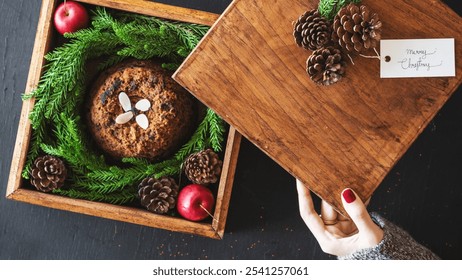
x=70 y=16
x=192 y=200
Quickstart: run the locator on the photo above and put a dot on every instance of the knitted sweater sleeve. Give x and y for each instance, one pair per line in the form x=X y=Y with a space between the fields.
x=396 y=244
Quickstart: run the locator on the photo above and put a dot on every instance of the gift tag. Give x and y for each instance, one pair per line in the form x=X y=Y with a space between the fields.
x=417 y=58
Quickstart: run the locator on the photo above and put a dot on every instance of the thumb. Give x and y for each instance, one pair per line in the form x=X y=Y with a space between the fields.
x=357 y=211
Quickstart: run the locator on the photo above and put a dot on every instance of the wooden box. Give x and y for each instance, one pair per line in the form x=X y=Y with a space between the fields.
x=16 y=185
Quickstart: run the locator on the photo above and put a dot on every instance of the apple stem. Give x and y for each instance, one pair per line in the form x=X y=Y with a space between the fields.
x=181 y=173
x=65 y=8
x=203 y=208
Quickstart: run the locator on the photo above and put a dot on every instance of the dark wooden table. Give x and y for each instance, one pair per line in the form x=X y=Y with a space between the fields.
x=422 y=193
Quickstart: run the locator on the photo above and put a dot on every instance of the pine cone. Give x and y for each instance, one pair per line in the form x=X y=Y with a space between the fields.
x=203 y=167
x=48 y=173
x=312 y=31
x=356 y=28
x=158 y=195
x=326 y=66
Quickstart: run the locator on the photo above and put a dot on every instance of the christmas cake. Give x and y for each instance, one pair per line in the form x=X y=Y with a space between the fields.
x=135 y=109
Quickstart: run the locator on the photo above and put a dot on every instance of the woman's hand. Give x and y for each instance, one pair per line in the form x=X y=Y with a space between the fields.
x=336 y=234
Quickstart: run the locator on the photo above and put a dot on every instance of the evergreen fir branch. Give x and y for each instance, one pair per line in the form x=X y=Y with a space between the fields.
x=122 y=197
x=188 y=34
x=111 y=61
x=216 y=130
x=34 y=150
x=102 y=19
x=136 y=161
x=151 y=46
x=168 y=171
x=74 y=99
x=133 y=174
x=49 y=149
x=37 y=115
x=170 y=66
x=102 y=187
x=196 y=143
x=64 y=65
x=115 y=173
x=27 y=96
x=158 y=167
x=115 y=178
x=210 y=132
x=329 y=8
x=69 y=137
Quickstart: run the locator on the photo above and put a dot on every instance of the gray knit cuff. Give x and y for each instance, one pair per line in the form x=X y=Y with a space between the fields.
x=396 y=244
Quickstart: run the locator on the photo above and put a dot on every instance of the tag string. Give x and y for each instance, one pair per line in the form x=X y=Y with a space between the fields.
x=351 y=59
x=372 y=56
x=366 y=56
x=203 y=208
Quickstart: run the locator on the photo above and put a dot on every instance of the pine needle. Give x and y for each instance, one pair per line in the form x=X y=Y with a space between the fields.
x=329 y=8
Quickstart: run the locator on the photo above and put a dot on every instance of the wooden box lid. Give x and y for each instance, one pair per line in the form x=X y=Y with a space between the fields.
x=250 y=71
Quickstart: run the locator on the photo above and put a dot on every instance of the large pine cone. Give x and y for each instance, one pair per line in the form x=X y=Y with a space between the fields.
x=48 y=173
x=356 y=28
x=158 y=195
x=325 y=66
x=203 y=167
x=312 y=31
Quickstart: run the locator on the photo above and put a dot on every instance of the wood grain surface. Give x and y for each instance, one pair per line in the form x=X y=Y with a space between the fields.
x=347 y=135
x=421 y=194
x=159 y=10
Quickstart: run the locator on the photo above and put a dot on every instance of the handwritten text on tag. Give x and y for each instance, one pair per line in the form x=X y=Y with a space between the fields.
x=417 y=58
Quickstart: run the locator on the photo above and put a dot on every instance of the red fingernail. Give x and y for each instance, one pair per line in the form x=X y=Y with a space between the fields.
x=349 y=195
